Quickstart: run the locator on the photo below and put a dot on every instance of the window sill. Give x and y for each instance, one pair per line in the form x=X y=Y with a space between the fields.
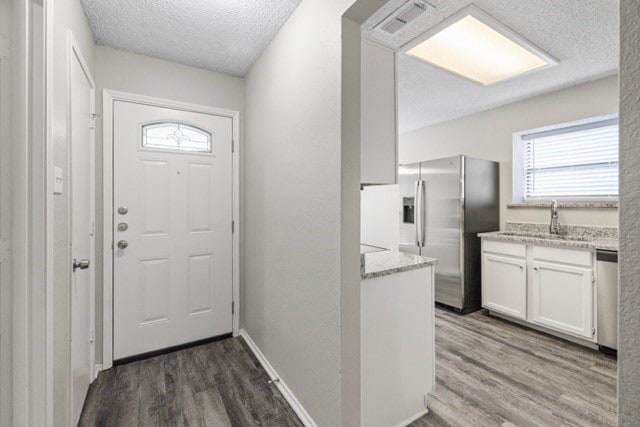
x=571 y=205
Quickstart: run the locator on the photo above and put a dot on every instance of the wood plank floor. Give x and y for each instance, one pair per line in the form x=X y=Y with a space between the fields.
x=490 y=372
x=216 y=384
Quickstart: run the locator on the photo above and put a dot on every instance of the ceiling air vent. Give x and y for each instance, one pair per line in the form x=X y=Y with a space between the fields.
x=402 y=16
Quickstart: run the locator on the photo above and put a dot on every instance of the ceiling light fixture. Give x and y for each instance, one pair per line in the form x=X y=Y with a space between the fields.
x=474 y=45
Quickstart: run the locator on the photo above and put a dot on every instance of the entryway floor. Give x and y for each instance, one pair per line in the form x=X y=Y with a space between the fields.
x=216 y=384
x=490 y=372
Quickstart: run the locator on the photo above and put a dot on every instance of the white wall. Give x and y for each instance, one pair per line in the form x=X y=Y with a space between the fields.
x=489 y=135
x=129 y=72
x=68 y=15
x=380 y=216
x=629 y=315
x=291 y=290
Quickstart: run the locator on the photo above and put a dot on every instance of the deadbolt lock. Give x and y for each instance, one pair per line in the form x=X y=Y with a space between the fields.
x=122 y=244
x=123 y=210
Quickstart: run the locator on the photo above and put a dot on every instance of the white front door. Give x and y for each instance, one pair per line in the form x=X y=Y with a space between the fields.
x=82 y=233
x=172 y=199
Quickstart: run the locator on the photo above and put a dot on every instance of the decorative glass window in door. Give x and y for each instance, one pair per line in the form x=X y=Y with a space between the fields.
x=176 y=136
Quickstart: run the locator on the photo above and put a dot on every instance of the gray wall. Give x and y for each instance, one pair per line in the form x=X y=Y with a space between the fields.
x=128 y=72
x=489 y=135
x=68 y=15
x=629 y=316
x=291 y=291
x=6 y=291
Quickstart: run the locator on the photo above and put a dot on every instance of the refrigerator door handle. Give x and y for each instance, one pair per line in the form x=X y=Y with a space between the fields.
x=423 y=213
x=416 y=211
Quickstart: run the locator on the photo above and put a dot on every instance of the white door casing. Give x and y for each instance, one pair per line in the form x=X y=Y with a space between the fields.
x=172 y=282
x=82 y=200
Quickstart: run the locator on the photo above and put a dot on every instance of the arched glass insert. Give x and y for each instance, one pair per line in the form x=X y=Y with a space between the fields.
x=176 y=136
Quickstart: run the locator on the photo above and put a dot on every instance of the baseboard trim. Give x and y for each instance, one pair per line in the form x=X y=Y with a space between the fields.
x=96 y=371
x=304 y=416
x=419 y=415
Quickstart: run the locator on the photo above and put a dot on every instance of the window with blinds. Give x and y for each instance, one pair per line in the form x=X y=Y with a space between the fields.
x=574 y=163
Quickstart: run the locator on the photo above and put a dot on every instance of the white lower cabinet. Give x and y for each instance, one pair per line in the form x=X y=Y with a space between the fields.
x=549 y=287
x=504 y=285
x=562 y=297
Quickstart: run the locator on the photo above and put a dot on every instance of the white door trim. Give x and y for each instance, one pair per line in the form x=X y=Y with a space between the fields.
x=108 y=98
x=74 y=50
x=31 y=58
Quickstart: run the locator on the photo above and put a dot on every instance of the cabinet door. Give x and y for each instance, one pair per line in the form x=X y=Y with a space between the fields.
x=504 y=285
x=562 y=297
x=378 y=151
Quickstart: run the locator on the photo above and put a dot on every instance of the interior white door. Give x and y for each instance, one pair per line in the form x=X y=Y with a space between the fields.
x=172 y=227
x=82 y=234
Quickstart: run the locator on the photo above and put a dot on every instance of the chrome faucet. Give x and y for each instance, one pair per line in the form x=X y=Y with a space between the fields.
x=554 y=226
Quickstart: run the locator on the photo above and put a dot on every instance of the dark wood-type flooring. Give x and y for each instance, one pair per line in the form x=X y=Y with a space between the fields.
x=489 y=372
x=216 y=384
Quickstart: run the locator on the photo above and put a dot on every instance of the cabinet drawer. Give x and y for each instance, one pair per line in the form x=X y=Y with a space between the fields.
x=562 y=255
x=505 y=248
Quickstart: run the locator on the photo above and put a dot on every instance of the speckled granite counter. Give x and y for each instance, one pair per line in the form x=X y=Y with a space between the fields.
x=603 y=238
x=378 y=264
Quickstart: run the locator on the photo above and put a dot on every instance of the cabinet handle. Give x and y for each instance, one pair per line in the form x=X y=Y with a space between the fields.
x=535 y=268
x=521 y=267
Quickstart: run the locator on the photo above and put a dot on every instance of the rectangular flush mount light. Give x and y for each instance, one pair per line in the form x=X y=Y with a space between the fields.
x=474 y=45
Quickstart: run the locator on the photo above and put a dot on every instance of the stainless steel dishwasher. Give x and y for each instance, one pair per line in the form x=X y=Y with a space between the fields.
x=607 y=265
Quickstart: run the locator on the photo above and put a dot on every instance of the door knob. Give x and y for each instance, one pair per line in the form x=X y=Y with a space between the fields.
x=123 y=226
x=122 y=244
x=82 y=264
x=122 y=210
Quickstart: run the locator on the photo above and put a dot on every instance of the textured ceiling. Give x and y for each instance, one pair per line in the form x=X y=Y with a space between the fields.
x=219 y=35
x=581 y=34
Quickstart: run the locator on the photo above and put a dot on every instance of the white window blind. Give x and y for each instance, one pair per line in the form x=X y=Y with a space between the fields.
x=576 y=163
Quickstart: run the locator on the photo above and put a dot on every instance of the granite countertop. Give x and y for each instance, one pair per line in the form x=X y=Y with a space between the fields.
x=384 y=263
x=603 y=238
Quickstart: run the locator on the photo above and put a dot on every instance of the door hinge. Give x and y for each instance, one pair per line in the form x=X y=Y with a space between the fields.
x=92 y=228
x=233 y=146
x=593 y=332
x=5 y=46
x=593 y=279
x=233 y=307
x=92 y=335
x=92 y=120
x=233 y=227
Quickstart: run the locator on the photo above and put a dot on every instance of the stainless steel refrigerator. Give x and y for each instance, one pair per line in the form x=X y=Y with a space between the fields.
x=445 y=203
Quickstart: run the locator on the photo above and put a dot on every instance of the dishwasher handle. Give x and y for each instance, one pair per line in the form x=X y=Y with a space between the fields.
x=607 y=256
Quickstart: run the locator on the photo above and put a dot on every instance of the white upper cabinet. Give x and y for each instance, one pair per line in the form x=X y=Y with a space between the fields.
x=379 y=152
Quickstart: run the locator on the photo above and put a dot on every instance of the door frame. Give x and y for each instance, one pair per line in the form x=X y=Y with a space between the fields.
x=75 y=53
x=108 y=99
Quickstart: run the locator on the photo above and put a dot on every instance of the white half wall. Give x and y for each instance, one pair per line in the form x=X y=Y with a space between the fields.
x=489 y=135
x=128 y=72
